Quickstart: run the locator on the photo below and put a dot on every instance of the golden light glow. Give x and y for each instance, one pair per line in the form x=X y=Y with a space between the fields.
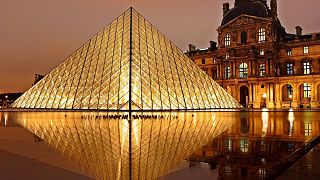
x=99 y=142
x=129 y=53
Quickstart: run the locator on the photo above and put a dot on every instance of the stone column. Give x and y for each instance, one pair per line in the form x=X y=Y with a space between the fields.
x=278 y=100
x=313 y=102
x=256 y=95
x=295 y=102
x=271 y=94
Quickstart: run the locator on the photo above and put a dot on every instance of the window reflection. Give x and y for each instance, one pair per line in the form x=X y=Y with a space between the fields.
x=227 y=170
x=308 y=128
x=244 y=145
x=229 y=144
x=262 y=173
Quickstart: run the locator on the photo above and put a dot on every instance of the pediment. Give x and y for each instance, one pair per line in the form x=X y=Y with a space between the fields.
x=244 y=20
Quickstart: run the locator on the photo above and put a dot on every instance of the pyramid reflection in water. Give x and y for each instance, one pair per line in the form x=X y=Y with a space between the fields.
x=99 y=142
x=128 y=65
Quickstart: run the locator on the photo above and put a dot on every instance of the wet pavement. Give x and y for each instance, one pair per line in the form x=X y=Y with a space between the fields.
x=307 y=168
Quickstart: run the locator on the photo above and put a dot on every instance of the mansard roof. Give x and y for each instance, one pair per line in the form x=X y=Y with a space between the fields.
x=253 y=8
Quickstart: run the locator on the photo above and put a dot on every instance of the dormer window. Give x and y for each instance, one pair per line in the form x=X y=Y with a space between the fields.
x=227 y=40
x=262 y=35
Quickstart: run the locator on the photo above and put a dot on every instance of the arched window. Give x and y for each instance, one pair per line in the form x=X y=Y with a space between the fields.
x=262 y=35
x=243 y=68
x=227 y=40
x=244 y=37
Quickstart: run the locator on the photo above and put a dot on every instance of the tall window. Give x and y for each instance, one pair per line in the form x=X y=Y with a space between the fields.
x=262 y=68
x=289 y=69
x=227 y=55
x=262 y=35
x=244 y=145
x=306 y=90
x=306 y=68
x=306 y=50
x=244 y=37
x=203 y=61
x=261 y=52
x=227 y=40
x=243 y=68
x=227 y=72
x=289 y=90
x=289 y=52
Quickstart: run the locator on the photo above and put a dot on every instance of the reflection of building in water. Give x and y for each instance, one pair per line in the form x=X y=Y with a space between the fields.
x=256 y=142
x=153 y=145
x=258 y=62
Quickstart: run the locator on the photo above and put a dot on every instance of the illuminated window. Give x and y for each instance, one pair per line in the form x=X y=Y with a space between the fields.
x=243 y=69
x=227 y=72
x=289 y=52
x=261 y=52
x=306 y=68
x=306 y=50
x=227 y=55
x=262 y=35
x=227 y=40
x=306 y=90
x=227 y=170
x=244 y=37
x=262 y=69
x=229 y=145
x=244 y=145
x=262 y=173
x=289 y=69
x=308 y=128
x=289 y=90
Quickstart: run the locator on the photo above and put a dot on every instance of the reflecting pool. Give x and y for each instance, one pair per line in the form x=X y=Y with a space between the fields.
x=118 y=145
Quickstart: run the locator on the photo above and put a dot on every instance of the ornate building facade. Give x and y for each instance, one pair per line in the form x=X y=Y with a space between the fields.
x=258 y=62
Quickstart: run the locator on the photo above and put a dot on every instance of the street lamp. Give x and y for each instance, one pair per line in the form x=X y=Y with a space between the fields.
x=290 y=97
x=6 y=100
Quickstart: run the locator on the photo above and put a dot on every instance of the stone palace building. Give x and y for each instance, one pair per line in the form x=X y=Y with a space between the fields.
x=258 y=62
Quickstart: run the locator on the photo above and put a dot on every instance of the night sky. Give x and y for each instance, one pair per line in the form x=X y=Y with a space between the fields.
x=36 y=35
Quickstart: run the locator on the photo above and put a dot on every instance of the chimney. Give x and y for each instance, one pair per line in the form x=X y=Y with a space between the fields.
x=192 y=47
x=226 y=8
x=213 y=45
x=298 y=30
x=274 y=9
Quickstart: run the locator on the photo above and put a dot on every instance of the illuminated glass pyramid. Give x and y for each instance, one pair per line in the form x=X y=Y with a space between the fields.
x=129 y=65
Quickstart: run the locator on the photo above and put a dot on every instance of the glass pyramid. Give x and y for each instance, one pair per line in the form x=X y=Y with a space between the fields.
x=129 y=65
x=101 y=143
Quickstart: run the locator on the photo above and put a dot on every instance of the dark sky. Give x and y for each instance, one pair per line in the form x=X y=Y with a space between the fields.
x=36 y=35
